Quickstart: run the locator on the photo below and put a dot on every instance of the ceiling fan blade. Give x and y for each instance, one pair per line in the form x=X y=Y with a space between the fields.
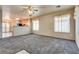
x=38 y=6
x=25 y=8
x=35 y=10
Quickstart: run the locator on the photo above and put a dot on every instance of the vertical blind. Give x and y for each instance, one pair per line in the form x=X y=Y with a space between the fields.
x=62 y=23
x=5 y=27
x=35 y=24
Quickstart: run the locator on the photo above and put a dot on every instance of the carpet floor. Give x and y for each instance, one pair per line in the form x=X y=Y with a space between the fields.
x=37 y=44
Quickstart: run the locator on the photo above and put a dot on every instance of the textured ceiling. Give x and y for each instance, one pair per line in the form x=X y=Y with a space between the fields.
x=16 y=10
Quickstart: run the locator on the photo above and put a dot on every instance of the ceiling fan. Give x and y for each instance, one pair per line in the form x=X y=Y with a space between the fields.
x=30 y=9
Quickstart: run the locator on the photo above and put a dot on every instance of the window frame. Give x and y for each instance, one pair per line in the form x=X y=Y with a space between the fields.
x=34 y=25
x=61 y=23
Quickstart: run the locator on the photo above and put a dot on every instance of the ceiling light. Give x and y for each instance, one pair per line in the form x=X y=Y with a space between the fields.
x=30 y=10
x=17 y=18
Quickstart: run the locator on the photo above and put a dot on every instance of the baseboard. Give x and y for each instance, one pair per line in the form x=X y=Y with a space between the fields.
x=40 y=35
x=16 y=36
x=53 y=37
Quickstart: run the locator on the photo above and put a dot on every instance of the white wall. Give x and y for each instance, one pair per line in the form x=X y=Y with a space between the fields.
x=77 y=24
x=47 y=26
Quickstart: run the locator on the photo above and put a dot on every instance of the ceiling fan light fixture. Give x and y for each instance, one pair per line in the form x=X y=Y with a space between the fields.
x=30 y=10
x=58 y=6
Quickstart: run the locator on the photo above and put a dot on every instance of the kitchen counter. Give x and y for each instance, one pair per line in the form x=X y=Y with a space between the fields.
x=21 y=30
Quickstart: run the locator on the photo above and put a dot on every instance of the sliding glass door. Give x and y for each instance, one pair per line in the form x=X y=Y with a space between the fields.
x=6 y=29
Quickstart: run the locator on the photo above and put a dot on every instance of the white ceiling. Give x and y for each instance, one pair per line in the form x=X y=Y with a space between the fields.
x=53 y=8
x=42 y=9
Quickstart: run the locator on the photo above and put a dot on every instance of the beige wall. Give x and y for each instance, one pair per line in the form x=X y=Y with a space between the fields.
x=47 y=25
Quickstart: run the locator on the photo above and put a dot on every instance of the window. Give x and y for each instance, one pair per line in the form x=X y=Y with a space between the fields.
x=35 y=24
x=62 y=23
x=6 y=27
x=6 y=30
